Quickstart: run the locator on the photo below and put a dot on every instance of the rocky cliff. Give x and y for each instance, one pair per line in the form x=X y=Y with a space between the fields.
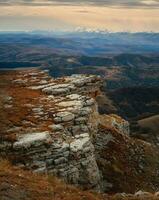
x=65 y=118
x=53 y=126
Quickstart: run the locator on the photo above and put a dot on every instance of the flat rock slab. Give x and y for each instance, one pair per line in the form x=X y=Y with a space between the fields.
x=64 y=117
x=32 y=139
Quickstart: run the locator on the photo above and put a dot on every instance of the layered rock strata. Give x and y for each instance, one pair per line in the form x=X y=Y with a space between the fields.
x=53 y=126
x=64 y=146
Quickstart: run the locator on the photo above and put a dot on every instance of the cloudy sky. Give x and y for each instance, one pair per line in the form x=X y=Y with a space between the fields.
x=113 y=15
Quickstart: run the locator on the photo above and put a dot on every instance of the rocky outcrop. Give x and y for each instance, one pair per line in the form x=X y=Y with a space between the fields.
x=73 y=160
x=53 y=126
x=17 y=184
x=126 y=164
x=113 y=121
x=65 y=148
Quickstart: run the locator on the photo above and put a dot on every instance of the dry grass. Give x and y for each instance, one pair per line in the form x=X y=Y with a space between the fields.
x=151 y=123
x=129 y=164
x=19 y=111
x=37 y=187
x=16 y=184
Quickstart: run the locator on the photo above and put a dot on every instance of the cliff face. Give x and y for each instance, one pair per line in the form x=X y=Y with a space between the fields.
x=53 y=126
x=127 y=165
x=63 y=145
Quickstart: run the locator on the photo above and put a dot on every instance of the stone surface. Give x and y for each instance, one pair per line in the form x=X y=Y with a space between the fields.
x=64 y=117
x=57 y=130
x=115 y=121
x=66 y=110
x=57 y=127
x=31 y=139
x=80 y=143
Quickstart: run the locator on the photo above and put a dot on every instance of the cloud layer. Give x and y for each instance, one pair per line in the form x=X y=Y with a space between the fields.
x=111 y=3
x=113 y=15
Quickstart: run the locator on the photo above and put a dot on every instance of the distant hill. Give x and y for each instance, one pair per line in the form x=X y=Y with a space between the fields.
x=147 y=128
x=87 y=43
x=136 y=102
x=118 y=70
x=151 y=123
x=128 y=62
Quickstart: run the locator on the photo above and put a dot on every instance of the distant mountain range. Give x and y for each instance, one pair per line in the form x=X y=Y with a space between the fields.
x=86 y=43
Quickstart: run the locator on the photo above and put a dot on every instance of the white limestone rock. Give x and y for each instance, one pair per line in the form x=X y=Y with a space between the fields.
x=53 y=91
x=74 y=97
x=76 y=104
x=142 y=194
x=67 y=151
x=80 y=80
x=20 y=81
x=56 y=127
x=42 y=82
x=64 y=117
x=89 y=102
x=59 y=89
x=78 y=144
x=31 y=139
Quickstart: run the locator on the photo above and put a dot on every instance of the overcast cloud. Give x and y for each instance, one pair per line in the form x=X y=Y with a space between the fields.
x=113 y=15
x=115 y=3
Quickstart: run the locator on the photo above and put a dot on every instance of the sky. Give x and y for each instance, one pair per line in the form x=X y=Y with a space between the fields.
x=69 y=15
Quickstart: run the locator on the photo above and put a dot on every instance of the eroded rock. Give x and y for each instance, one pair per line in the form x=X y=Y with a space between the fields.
x=32 y=139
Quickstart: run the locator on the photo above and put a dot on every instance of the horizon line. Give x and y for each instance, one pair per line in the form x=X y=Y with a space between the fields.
x=75 y=31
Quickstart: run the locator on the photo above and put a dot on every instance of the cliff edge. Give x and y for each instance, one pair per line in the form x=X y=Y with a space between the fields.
x=52 y=126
